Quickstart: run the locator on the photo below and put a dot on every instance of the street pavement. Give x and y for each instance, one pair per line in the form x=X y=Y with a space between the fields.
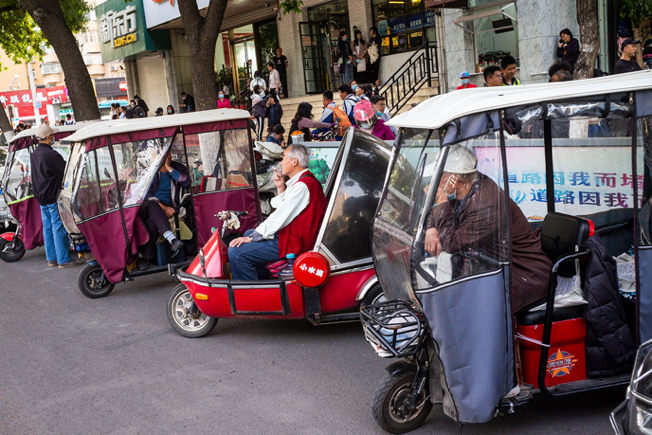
x=72 y=365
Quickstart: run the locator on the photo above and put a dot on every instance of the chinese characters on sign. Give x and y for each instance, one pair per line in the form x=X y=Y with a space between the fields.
x=119 y=27
x=318 y=272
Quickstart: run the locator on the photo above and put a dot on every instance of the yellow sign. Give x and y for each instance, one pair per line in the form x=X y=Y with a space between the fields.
x=127 y=39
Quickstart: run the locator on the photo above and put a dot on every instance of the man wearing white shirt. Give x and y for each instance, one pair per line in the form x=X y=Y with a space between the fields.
x=292 y=228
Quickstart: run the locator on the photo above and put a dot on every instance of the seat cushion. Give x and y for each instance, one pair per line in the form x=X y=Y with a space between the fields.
x=275 y=267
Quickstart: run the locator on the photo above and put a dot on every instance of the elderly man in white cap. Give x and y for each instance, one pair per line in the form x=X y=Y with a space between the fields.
x=470 y=217
x=47 y=174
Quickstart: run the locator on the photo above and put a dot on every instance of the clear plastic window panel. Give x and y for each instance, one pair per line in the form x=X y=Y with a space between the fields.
x=18 y=181
x=466 y=229
x=97 y=191
x=219 y=160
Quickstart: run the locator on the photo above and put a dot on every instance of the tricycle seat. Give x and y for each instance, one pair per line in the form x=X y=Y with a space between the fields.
x=561 y=234
x=275 y=267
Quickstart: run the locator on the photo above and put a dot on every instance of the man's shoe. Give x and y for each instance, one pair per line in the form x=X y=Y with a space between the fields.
x=176 y=246
x=142 y=264
x=71 y=263
x=52 y=263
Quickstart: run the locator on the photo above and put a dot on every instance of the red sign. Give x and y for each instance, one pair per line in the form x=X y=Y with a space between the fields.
x=311 y=269
x=123 y=86
x=24 y=104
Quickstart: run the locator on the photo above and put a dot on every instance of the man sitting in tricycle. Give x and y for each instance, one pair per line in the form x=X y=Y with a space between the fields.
x=292 y=228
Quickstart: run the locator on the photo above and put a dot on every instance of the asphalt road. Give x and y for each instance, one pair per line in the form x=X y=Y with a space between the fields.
x=72 y=365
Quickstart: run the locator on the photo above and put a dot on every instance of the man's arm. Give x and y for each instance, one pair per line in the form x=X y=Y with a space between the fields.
x=293 y=202
x=478 y=225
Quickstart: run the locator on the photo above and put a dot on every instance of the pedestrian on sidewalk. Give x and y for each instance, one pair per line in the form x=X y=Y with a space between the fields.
x=225 y=88
x=69 y=120
x=276 y=136
x=273 y=111
x=348 y=101
x=303 y=121
x=382 y=111
x=464 y=78
x=170 y=109
x=258 y=80
x=258 y=111
x=188 y=103
x=508 y=68
x=48 y=168
x=560 y=66
x=568 y=48
x=142 y=104
x=274 y=78
x=359 y=49
x=374 y=56
x=366 y=119
x=222 y=101
x=627 y=62
x=281 y=65
x=346 y=57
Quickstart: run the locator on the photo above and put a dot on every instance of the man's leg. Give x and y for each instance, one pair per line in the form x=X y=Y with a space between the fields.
x=48 y=241
x=245 y=259
x=153 y=212
x=60 y=236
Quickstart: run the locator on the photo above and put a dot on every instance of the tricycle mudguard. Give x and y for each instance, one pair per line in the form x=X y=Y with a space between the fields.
x=8 y=236
x=401 y=366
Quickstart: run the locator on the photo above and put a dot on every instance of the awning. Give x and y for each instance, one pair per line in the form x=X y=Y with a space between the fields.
x=486 y=11
x=453 y=4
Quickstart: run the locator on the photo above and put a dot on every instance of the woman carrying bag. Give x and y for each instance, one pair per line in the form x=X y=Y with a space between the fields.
x=346 y=55
x=374 y=56
x=359 y=49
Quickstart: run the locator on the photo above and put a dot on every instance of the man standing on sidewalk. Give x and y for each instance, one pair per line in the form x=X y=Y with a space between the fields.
x=47 y=174
x=627 y=62
x=281 y=65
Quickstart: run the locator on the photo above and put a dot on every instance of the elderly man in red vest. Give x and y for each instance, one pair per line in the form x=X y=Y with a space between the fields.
x=292 y=228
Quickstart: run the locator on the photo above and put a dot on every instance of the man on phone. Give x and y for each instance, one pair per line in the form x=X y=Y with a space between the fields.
x=292 y=228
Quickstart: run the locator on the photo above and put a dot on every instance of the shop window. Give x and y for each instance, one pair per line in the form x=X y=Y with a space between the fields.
x=403 y=24
x=494 y=29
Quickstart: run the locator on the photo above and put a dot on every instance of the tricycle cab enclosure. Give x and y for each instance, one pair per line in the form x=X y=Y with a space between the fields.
x=17 y=181
x=113 y=164
x=581 y=148
x=353 y=189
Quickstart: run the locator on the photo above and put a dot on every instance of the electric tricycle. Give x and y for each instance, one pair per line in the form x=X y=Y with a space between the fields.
x=450 y=240
x=17 y=190
x=111 y=168
x=325 y=285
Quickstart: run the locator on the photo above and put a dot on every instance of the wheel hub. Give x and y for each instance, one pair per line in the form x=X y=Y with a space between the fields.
x=399 y=407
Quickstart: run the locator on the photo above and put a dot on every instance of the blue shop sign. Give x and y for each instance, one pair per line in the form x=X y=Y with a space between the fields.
x=397 y=25
x=415 y=21
x=429 y=17
x=383 y=30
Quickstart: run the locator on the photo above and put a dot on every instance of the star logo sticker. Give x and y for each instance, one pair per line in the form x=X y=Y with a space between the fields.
x=560 y=363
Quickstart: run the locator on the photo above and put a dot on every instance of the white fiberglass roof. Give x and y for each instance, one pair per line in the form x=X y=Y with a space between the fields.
x=118 y=126
x=62 y=129
x=442 y=109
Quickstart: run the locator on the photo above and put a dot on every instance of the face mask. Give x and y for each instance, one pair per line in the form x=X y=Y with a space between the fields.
x=379 y=113
x=169 y=112
x=344 y=38
x=221 y=96
x=452 y=196
x=354 y=87
x=465 y=81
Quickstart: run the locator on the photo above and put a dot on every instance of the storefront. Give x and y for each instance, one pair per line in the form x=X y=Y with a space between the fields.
x=114 y=88
x=403 y=25
x=20 y=107
x=146 y=54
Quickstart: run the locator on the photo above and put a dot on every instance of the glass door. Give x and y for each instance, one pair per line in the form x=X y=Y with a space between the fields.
x=313 y=58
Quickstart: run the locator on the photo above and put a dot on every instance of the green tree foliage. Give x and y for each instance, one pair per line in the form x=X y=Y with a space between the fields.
x=636 y=10
x=20 y=37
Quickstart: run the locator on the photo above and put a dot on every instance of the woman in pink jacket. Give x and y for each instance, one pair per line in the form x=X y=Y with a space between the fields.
x=223 y=102
x=366 y=119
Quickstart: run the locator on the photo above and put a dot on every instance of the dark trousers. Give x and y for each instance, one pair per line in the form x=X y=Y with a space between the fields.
x=284 y=85
x=156 y=223
x=373 y=69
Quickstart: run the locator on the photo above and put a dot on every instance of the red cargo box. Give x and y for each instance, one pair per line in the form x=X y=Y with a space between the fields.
x=566 y=358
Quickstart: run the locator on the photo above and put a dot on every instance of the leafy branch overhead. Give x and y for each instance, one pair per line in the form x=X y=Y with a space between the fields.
x=20 y=37
x=636 y=10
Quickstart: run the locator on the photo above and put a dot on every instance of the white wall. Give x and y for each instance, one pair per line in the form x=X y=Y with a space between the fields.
x=153 y=87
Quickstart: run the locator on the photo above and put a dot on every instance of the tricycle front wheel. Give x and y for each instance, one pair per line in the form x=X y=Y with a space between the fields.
x=11 y=251
x=92 y=282
x=185 y=317
x=391 y=404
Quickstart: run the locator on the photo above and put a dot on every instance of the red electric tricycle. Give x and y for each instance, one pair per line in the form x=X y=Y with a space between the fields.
x=17 y=190
x=328 y=283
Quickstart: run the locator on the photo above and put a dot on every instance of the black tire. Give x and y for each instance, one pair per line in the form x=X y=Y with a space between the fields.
x=191 y=326
x=393 y=393
x=10 y=255
x=373 y=296
x=93 y=283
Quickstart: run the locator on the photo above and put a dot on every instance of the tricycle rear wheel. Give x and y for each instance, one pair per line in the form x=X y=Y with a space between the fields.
x=185 y=317
x=390 y=402
x=375 y=295
x=11 y=253
x=92 y=282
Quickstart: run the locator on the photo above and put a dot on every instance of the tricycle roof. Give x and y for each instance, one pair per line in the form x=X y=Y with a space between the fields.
x=118 y=126
x=429 y=114
x=62 y=129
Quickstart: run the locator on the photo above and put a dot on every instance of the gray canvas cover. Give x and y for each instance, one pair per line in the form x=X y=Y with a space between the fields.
x=469 y=320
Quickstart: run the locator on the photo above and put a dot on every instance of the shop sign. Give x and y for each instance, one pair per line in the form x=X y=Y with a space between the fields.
x=123 y=86
x=397 y=25
x=119 y=28
x=159 y=12
x=429 y=17
x=415 y=21
x=24 y=104
x=383 y=29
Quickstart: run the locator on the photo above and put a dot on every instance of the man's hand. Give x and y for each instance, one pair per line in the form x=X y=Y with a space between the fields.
x=279 y=181
x=169 y=211
x=239 y=241
x=433 y=244
x=168 y=163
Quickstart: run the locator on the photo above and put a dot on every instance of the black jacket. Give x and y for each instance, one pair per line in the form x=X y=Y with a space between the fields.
x=143 y=105
x=570 y=53
x=48 y=168
x=273 y=114
x=610 y=346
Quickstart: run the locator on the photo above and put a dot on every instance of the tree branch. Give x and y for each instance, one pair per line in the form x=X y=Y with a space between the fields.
x=9 y=9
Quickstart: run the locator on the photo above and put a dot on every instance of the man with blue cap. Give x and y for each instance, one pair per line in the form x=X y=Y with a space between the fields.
x=464 y=77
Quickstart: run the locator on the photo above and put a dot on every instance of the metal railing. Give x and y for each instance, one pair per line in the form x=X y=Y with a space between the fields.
x=420 y=69
x=242 y=100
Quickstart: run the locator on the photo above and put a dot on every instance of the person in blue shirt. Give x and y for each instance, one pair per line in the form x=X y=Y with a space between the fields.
x=276 y=136
x=349 y=100
x=327 y=114
x=158 y=207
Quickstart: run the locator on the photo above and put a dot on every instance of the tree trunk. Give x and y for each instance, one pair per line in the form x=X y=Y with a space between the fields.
x=638 y=36
x=49 y=17
x=587 y=18
x=202 y=34
x=5 y=124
